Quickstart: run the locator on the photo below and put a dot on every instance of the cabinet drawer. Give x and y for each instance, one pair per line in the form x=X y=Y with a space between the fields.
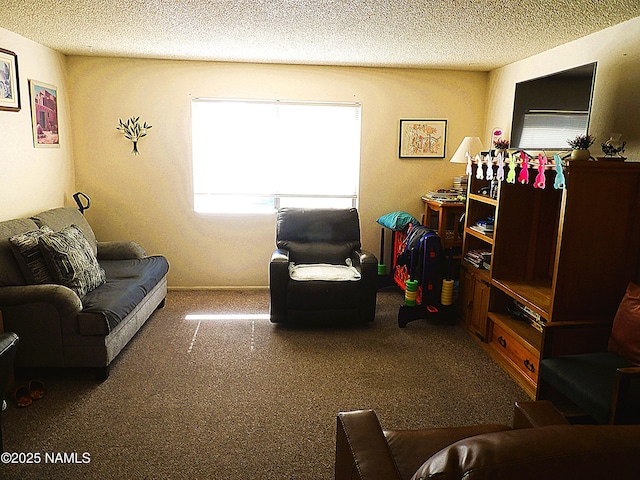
x=516 y=352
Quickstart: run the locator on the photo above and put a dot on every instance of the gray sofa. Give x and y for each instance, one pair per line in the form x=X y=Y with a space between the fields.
x=64 y=316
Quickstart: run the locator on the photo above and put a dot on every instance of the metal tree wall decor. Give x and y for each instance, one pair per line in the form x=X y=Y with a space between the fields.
x=132 y=130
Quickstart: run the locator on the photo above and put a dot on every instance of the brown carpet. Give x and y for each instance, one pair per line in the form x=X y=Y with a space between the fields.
x=244 y=398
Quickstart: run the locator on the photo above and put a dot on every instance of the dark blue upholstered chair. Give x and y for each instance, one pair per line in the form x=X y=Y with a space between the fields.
x=599 y=383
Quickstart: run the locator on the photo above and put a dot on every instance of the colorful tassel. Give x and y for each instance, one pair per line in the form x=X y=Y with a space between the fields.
x=540 y=180
x=559 y=182
x=511 y=176
x=489 y=175
x=500 y=172
x=523 y=178
x=479 y=172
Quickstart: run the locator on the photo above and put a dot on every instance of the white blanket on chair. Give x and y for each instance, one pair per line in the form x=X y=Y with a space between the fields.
x=324 y=271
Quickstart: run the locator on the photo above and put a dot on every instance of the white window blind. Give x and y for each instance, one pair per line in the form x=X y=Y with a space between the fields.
x=255 y=156
x=551 y=130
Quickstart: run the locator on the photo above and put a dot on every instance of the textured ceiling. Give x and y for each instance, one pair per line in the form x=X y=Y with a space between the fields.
x=457 y=34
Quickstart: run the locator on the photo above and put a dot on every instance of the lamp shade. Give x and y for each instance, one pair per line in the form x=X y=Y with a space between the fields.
x=470 y=145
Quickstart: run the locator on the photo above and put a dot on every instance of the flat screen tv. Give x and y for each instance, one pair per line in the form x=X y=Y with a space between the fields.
x=550 y=110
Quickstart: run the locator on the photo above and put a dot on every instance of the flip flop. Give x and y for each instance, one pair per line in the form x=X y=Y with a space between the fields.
x=36 y=389
x=22 y=396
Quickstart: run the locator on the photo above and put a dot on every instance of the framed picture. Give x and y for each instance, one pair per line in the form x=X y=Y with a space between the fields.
x=44 y=114
x=422 y=138
x=9 y=81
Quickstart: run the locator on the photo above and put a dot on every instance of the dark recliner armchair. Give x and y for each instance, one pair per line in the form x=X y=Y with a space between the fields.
x=314 y=237
x=8 y=348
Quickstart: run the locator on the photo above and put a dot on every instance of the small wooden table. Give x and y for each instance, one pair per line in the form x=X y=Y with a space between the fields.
x=444 y=217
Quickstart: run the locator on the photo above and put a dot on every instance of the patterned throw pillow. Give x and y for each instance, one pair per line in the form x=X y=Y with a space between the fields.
x=71 y=260
x=29 y=256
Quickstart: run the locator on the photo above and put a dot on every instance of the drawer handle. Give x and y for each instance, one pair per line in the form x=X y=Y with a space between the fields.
x=530 y=366
x=502 y=342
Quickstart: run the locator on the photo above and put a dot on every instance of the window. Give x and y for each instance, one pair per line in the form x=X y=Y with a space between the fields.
x=254 y=156
x=551 y=130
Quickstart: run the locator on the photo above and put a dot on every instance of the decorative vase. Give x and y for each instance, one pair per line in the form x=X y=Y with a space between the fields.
x=580 y=155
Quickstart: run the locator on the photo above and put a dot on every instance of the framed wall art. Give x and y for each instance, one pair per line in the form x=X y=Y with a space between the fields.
x=422 y=138
x=9 y=81
x=44 y=114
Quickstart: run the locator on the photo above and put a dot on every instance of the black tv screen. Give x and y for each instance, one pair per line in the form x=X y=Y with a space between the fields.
x=549 y=110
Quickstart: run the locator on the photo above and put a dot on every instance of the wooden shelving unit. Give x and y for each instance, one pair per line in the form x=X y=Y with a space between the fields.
x=534 y=294
x=475 y=283
x=483 y=199
x=565 y=255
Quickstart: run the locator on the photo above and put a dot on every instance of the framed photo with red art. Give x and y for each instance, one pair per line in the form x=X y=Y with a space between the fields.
x=44 y=114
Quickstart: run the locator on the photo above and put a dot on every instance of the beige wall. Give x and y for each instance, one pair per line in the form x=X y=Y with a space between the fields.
x=616 y=101
x=149 y=197
x=34 y=179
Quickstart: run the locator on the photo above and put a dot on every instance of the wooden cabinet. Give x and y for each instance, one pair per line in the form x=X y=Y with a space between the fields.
x=557 y=255
x=475 y=278
x=517 y=348
x=476 y=292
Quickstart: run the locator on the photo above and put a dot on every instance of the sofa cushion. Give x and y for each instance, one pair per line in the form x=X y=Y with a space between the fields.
x=10 y=273
x=128 y=281
x=58 y=218
x=625 y=333
x=71 y=260
x=29 y=255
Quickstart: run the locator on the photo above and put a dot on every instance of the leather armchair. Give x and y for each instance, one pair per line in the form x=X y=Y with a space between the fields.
x=539 y=445
x=321 y=236
x=8 y=348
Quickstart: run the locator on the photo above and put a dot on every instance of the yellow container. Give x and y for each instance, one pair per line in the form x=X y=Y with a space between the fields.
x=446 y=296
